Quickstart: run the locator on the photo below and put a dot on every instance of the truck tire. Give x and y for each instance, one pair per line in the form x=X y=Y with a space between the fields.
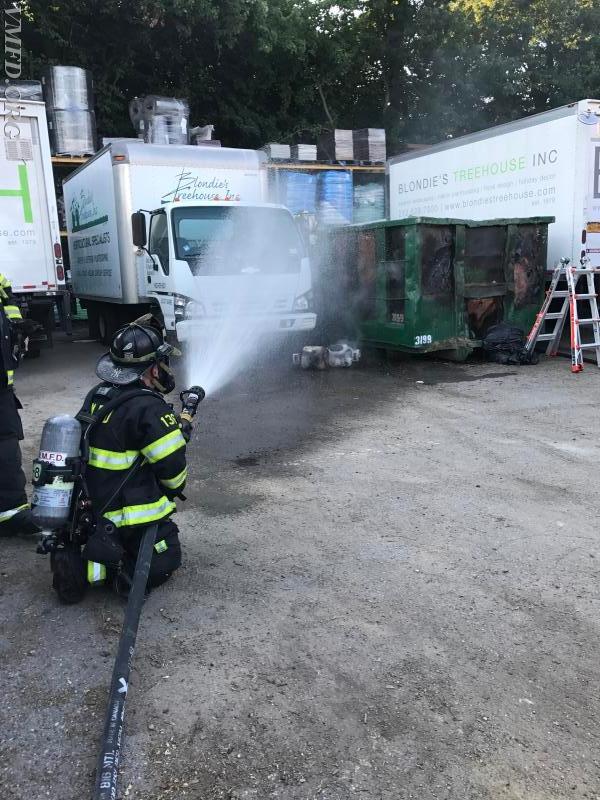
x=41 y=313
x=92 y=316
x=108 y=322
x=49 y=325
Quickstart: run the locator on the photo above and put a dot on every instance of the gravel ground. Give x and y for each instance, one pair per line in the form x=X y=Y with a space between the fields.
x=390 y=591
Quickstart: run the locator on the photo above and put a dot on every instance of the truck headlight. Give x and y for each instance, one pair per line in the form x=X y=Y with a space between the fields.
x=180 y=303
x=194 y=310
x=303 y=302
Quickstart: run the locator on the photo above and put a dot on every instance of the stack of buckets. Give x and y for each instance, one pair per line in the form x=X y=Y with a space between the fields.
x=68 y=94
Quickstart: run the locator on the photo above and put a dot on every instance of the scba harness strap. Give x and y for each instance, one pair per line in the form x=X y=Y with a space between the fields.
x=113 y=398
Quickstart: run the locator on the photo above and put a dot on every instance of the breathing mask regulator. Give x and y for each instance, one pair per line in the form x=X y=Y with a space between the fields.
x=165 y=382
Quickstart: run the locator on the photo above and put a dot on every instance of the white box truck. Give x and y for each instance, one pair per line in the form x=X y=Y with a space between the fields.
x=547 y=164
x=30 y=250
x=213 y=240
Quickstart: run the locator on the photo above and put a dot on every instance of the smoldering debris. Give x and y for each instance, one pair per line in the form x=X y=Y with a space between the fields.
x=319 y=357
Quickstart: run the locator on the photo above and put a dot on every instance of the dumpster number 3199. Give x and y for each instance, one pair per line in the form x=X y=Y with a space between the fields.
x=424 y=339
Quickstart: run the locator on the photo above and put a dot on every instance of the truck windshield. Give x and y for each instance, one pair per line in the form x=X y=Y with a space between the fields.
x=237 y=240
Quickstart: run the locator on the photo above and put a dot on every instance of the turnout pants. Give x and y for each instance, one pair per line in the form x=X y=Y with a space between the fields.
x=166 y=557
x=12 y=478
x=167 y=551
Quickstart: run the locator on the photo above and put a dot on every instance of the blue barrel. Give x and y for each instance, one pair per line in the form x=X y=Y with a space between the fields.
x=300 y=192
x=334 y=193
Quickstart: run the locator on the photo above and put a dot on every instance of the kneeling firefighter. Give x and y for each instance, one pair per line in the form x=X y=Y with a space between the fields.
x=129 y=467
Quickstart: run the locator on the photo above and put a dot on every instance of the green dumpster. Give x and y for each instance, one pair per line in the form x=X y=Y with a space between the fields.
x=431 y=285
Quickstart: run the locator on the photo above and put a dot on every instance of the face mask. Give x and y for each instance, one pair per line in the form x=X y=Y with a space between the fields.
x=165 y=382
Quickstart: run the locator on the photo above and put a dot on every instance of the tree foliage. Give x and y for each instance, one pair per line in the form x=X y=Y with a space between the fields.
x=264 y=70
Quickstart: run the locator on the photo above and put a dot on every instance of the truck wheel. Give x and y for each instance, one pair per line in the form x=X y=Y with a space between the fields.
x=92 y=315
x=49 y=323
x=108 y=322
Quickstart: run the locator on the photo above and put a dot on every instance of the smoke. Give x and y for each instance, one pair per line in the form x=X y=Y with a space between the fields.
x=248 y=269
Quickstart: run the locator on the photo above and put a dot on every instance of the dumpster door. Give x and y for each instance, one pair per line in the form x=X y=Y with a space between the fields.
x=434 y=323
x=485 y=279
x=394 y=275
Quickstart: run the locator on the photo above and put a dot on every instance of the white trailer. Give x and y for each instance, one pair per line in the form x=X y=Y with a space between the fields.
x=547 y=164
x=202 y=206
x=30 y=250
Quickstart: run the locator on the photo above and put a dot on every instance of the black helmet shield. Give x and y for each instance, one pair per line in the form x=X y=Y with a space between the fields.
x=134 y=349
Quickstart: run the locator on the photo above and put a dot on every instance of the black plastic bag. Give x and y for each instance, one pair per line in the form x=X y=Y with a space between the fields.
x=505 y=344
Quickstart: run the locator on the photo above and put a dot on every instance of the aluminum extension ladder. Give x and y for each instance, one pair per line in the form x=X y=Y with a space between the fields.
x=569 y=276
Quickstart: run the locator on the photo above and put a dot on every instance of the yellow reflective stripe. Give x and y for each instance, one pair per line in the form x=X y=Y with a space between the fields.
x=96 y=573
x=176 y=482
x=13 y=312
x=10 y=377
x=163 y=447
x=6 y=515
x=141 y=514
x=161 y=546
x=111 y=459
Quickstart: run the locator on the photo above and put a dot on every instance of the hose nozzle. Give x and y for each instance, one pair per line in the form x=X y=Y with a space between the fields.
x=190 y=400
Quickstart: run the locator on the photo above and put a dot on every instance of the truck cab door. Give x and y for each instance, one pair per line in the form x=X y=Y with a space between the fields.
x=158 y=267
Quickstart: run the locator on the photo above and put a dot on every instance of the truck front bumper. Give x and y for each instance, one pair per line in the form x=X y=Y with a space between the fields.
x=191 y=329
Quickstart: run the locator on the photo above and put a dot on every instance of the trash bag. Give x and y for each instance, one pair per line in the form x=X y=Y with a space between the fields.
x=505 y=344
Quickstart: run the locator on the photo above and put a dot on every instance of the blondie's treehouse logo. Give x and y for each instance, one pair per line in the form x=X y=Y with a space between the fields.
x=85 y=213
x=191 y=187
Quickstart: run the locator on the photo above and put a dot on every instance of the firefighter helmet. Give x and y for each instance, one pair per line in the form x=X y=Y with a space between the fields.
x=134 y=349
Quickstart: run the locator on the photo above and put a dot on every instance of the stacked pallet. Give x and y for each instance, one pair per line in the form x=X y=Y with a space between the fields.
x=21 y=90
x=369 y=144
x=277 y=152
x=69 y=98
x=304 y=152
x=336 y=145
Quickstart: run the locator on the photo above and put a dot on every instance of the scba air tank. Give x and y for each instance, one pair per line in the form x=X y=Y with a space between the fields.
x=54 y=472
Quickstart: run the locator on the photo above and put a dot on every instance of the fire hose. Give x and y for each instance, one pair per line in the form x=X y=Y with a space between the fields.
x=107 y=772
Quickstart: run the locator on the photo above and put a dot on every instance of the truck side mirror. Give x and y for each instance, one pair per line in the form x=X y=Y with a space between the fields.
x=138 y=229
